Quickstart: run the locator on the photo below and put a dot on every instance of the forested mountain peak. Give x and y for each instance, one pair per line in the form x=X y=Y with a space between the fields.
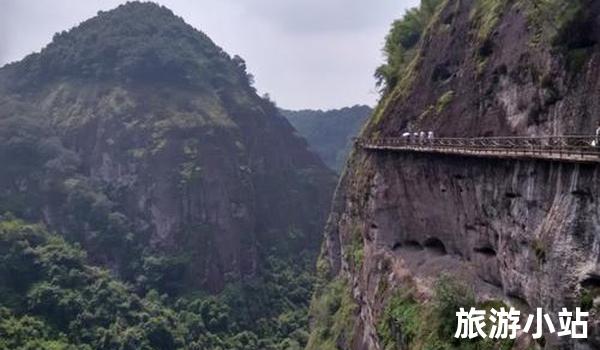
x=137 y=41
x=145 y=147
x=140 y=101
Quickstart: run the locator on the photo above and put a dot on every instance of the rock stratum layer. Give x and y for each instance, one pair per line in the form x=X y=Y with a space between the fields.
x=523 y=233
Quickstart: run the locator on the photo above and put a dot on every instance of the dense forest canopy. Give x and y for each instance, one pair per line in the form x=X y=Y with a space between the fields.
x=144 y=44
x=52 y=299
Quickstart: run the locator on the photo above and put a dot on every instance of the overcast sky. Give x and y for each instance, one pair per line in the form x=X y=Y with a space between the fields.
x=304 y=53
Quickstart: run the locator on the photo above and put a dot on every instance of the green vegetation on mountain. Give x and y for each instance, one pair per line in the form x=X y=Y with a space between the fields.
x=564 y=25
x=149 y=202
x=402 y=56
x=401 y=44
x=154 y=47
x=329 y=133
x=552 y=18
x=556 y=24
x=333 y=311
x=52 y=299
x=407 y=323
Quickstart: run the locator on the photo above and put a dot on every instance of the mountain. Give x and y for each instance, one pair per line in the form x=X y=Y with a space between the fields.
x=412 y=237
x=145 y=147
x=329 y=133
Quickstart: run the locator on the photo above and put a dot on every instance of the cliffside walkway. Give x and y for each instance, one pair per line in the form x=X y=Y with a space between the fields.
x=577 y=149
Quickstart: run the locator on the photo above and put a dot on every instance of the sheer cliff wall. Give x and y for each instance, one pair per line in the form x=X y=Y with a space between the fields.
x=523 y=232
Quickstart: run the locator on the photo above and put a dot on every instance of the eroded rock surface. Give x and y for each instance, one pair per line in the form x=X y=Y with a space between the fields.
x=524 y=232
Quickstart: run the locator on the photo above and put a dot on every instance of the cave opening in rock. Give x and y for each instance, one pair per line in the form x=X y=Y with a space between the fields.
x=413 y=245
x=441 y=72
x=435 y=245
x=581 y=193
x=486 y=250
x=591 y=282
x=396 y=246
x=512 y=195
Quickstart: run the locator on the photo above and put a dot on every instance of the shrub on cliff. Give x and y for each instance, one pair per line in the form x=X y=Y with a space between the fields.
x=408 y=323
x=400 y=43
x=333 y=312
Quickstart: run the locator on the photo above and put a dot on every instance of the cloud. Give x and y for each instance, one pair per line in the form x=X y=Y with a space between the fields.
x=318 y=16
x=304 y=53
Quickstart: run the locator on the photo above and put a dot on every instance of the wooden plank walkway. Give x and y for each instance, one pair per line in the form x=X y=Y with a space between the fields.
x=576 y=149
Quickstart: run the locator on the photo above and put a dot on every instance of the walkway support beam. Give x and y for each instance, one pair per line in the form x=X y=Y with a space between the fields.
x=571 y=148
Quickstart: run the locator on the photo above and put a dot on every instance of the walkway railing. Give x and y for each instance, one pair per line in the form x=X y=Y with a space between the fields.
x=576 y=148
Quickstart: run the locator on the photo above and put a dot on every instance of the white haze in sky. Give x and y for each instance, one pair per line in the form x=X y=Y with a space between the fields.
x=304 y=53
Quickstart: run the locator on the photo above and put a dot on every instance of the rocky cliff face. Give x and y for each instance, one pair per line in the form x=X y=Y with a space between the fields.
x=163 y=156
x=523 y=233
